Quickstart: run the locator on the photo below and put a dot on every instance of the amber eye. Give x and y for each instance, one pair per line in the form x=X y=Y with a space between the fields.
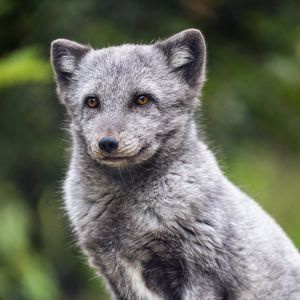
x=142 y=100
x=92 y=102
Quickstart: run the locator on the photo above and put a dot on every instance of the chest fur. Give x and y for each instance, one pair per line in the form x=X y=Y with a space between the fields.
x=136 y=253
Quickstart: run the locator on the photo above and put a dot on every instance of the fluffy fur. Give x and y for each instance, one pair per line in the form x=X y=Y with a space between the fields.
x=157 y=217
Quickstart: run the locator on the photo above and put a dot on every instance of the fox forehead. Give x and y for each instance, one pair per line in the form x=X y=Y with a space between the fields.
x=123 y=70
x=124 y=59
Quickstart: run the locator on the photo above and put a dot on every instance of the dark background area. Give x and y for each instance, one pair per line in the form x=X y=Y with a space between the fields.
x=250 y=112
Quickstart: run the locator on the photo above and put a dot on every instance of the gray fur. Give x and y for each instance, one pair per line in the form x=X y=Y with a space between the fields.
x=163 y=222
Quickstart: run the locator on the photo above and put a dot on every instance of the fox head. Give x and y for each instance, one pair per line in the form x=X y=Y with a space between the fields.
x=129 y=102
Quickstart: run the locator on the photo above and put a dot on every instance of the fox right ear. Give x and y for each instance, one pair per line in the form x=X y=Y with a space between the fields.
x=186 y=55
x=65 y=56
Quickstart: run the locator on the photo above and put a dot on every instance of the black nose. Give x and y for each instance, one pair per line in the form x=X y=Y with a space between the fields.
x=108 y=144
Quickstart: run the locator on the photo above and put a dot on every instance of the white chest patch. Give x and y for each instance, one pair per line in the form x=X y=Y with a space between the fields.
x=137 y=283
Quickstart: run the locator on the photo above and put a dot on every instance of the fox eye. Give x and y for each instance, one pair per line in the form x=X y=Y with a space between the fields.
x=142 y=100
x=92 y=102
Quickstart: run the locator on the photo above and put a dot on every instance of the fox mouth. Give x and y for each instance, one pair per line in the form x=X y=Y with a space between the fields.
x=119 y=159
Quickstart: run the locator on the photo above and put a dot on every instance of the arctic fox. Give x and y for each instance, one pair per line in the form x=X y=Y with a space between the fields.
x=150 y=206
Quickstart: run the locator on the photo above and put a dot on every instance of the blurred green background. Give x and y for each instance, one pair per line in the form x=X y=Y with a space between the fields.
x=250 y=113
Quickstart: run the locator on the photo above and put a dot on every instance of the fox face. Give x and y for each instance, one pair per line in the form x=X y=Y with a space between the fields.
x=128 y=103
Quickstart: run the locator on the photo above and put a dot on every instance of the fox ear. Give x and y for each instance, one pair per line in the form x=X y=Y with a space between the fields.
x=65 y=57
x=186 y=54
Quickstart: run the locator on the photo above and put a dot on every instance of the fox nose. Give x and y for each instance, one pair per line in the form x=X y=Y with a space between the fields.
x=108 y=144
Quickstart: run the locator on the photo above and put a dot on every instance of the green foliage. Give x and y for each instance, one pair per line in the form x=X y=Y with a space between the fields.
x=22 y=66
x=250 y=109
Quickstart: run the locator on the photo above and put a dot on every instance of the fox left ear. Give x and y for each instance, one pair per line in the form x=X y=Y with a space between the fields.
x=65 y=57
x=186 y=54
